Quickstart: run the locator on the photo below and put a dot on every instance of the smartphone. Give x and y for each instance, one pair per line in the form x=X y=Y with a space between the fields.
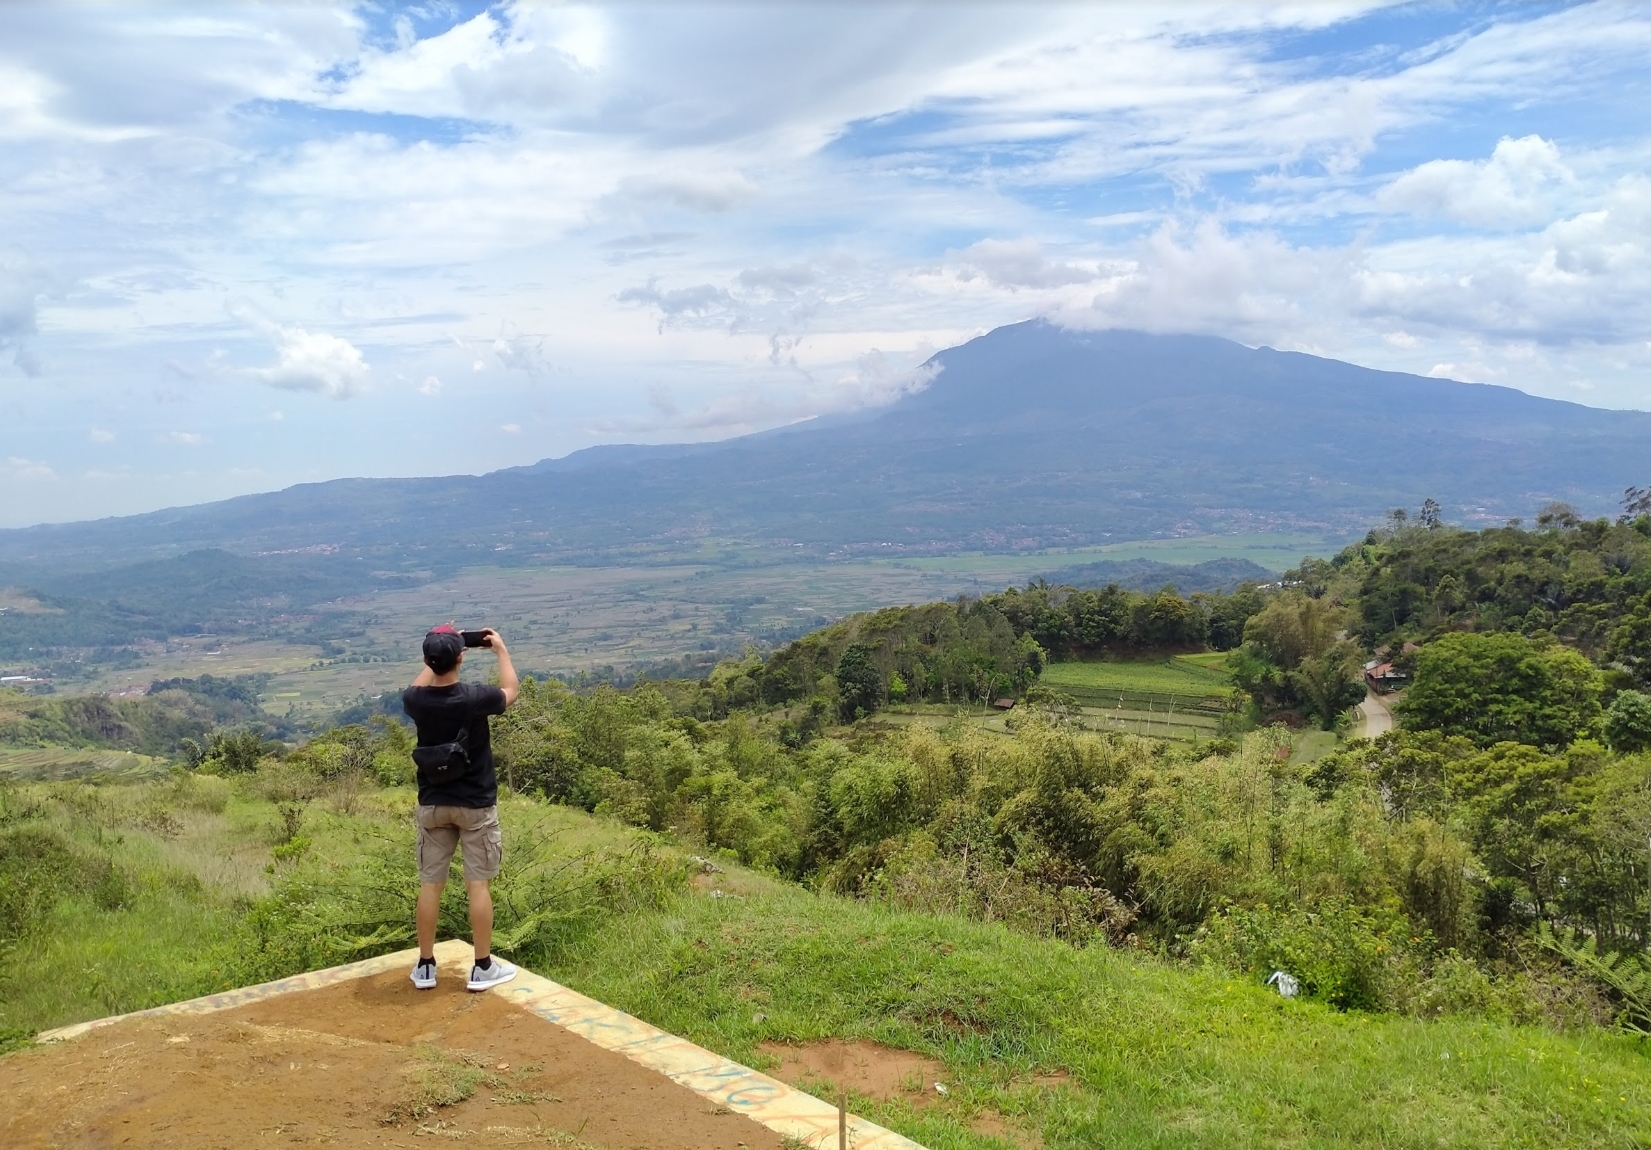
x=476 y=639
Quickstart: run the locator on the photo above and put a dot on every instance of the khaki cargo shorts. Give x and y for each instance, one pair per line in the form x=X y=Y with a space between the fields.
x=440 y=829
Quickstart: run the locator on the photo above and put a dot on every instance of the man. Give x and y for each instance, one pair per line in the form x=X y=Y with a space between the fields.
x=458 y=798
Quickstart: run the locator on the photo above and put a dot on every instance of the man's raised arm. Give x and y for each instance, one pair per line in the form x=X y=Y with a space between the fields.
x=508 y=682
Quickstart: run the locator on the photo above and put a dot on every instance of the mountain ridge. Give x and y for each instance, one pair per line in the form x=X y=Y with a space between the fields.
x=1030 y=436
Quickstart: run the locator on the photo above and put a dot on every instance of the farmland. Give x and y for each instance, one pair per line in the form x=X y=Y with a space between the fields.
x=1185 y=676
x=39 y=763
x=1183 y=697
x=568 y=620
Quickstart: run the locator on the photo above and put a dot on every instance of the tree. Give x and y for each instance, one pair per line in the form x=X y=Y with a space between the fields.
x=234 y=753
x=1167 y=620
x=1628 y=722
x=1558 y=515
x=859 y=683
x=1329 y=683
x=1430 y=515
x=1631 y=641
x=1521 y=808
x=1494 y=688
x=1292 y=628
x=1636 y=501
x=1294 y=657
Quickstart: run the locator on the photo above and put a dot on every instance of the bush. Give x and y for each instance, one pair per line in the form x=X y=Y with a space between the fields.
x=40 y=868
x=234 y=753
x=981 y=886
x=1457 y=986
x=205 y=793
x=1352 y=957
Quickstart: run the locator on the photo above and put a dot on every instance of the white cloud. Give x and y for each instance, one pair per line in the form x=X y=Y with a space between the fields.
x=100 y=435
x=697 y=191
x=1016 y=264
x=306 y=360
x=185 y=438
x=518 y=353
x=28 y=470
x=511 y=63
x=511 y=428
x=880 y=378
x=1514 y=187
x=1206 y=279
x=430 y=386
x=700 y=301
x=1580 y=279
x=21 y=286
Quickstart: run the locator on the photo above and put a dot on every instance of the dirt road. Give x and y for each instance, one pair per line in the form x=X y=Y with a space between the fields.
x=1374 y=718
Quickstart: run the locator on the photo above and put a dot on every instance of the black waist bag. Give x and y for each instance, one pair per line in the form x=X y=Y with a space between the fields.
x=445 y=762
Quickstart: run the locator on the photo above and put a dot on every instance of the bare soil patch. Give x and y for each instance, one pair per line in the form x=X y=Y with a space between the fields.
x=885 y=1073
x=865 y=1068
x=371 y=1062
x=995 y=1125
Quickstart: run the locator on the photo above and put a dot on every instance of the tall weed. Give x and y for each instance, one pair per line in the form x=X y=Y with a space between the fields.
x=545 y=895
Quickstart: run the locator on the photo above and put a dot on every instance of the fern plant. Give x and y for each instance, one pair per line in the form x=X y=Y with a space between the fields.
x=1627 y=976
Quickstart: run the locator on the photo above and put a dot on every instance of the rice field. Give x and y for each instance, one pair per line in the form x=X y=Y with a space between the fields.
x=49 y=763
x=1186 y=676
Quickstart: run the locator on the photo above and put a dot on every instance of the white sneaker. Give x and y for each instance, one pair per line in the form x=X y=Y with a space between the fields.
x=497 y=973
x=424 y=974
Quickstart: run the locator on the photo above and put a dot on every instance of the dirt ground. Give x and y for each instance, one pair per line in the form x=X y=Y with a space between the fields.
x=371 y=1062
x=864 y=1068
x=871 y=1070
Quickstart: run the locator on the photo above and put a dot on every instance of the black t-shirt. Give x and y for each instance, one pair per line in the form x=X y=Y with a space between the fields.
x=438 y=713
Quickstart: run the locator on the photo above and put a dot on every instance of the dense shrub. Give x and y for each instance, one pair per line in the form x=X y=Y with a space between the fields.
x=1352 y=957
x=39 y=868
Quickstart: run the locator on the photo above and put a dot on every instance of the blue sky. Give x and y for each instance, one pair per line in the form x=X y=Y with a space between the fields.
x=243 y=247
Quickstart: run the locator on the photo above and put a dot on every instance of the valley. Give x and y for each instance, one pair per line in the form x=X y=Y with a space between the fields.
x=598 y=621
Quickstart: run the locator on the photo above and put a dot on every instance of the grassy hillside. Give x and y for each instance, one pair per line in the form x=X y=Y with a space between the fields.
x=1076 y=1047
x=1159 y=1056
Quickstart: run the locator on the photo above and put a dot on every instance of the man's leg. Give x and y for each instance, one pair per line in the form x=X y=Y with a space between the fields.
x=429 y=910
x=481 y=916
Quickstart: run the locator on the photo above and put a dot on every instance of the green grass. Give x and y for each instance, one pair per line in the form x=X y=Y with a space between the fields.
x=1161 y=1055
x=189 y=876
x=1309 y=746
x=1191 y=676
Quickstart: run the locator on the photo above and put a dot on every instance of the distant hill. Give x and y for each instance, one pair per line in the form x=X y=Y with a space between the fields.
x=1146 y=575
x=1030 y=436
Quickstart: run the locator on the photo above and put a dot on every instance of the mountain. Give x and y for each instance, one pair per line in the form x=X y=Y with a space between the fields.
x=1030 y=436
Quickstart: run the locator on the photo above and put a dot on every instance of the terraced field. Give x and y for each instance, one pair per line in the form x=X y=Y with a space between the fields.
x=1183 y=697
x=46 y=763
